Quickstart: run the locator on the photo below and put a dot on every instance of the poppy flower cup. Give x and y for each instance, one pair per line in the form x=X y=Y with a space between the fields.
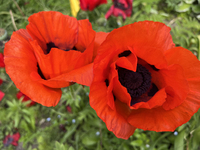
x=53 y=52
x=141 y=80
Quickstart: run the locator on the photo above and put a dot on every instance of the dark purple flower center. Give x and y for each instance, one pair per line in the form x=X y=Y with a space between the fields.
x=51 y=45
x=125 y=53
x=120 y=5
x=137 y=83
x=8 y=141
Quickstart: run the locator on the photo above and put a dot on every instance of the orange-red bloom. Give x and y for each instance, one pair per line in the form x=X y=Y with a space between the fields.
x=53 y=52
x=141 y=80
x=91 y=4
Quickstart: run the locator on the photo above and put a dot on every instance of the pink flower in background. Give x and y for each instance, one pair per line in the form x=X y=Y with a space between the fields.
x=68 y=108
x=120 y=8
x=26 y=98
x=2 y=65
x=91 y=4
x=1 y=93
x=11 y=139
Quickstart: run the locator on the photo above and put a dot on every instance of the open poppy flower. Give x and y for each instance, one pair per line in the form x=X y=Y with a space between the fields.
x=141 y=80
x=91 y=4
x=53 y=52
x=25 y=98
x=11 y=139
x=120 y=8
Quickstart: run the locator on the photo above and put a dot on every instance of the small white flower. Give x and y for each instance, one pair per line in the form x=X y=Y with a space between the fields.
x=175 y=133
x=97 y=133
x=147 y=145
x=73 y=120
x=48 y=119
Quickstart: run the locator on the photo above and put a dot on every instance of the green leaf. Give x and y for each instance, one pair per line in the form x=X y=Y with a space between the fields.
x=26 y=111
x=88 y=140
x=137 y=142
x=182 y=7
x=59 y=146
x=196 y=9
x=28 y=120
x=71 y=148
x=189 y=1
x=195 y=138
x=179 y=141
x=17 y=118
x=10 y=104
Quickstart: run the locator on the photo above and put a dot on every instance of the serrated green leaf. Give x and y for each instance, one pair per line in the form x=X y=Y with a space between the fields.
x=26 y=111
x=17 y=118
x=27 y=119
x=9 y=115
x=10 y=104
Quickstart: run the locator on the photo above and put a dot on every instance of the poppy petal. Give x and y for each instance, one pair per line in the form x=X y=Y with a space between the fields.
x=18 y=55
x=54 y=63
x=157 y=100
x=114 y=120
x=86 y=35
x=160 y=120
x=156 y=36
x=185 y=59
x=51 y=26
x=99 y=38
x=24 y=33
x=83 y=75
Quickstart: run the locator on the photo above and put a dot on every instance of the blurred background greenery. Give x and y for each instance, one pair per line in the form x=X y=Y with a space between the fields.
x=73 y=124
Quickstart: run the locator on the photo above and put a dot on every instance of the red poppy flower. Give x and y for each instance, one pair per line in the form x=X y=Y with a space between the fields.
x=2 y=65
x=25 y=98
x=91 y=4
x=141 y=80
x=120 y=8
x=53 y=52
x=11 y=139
